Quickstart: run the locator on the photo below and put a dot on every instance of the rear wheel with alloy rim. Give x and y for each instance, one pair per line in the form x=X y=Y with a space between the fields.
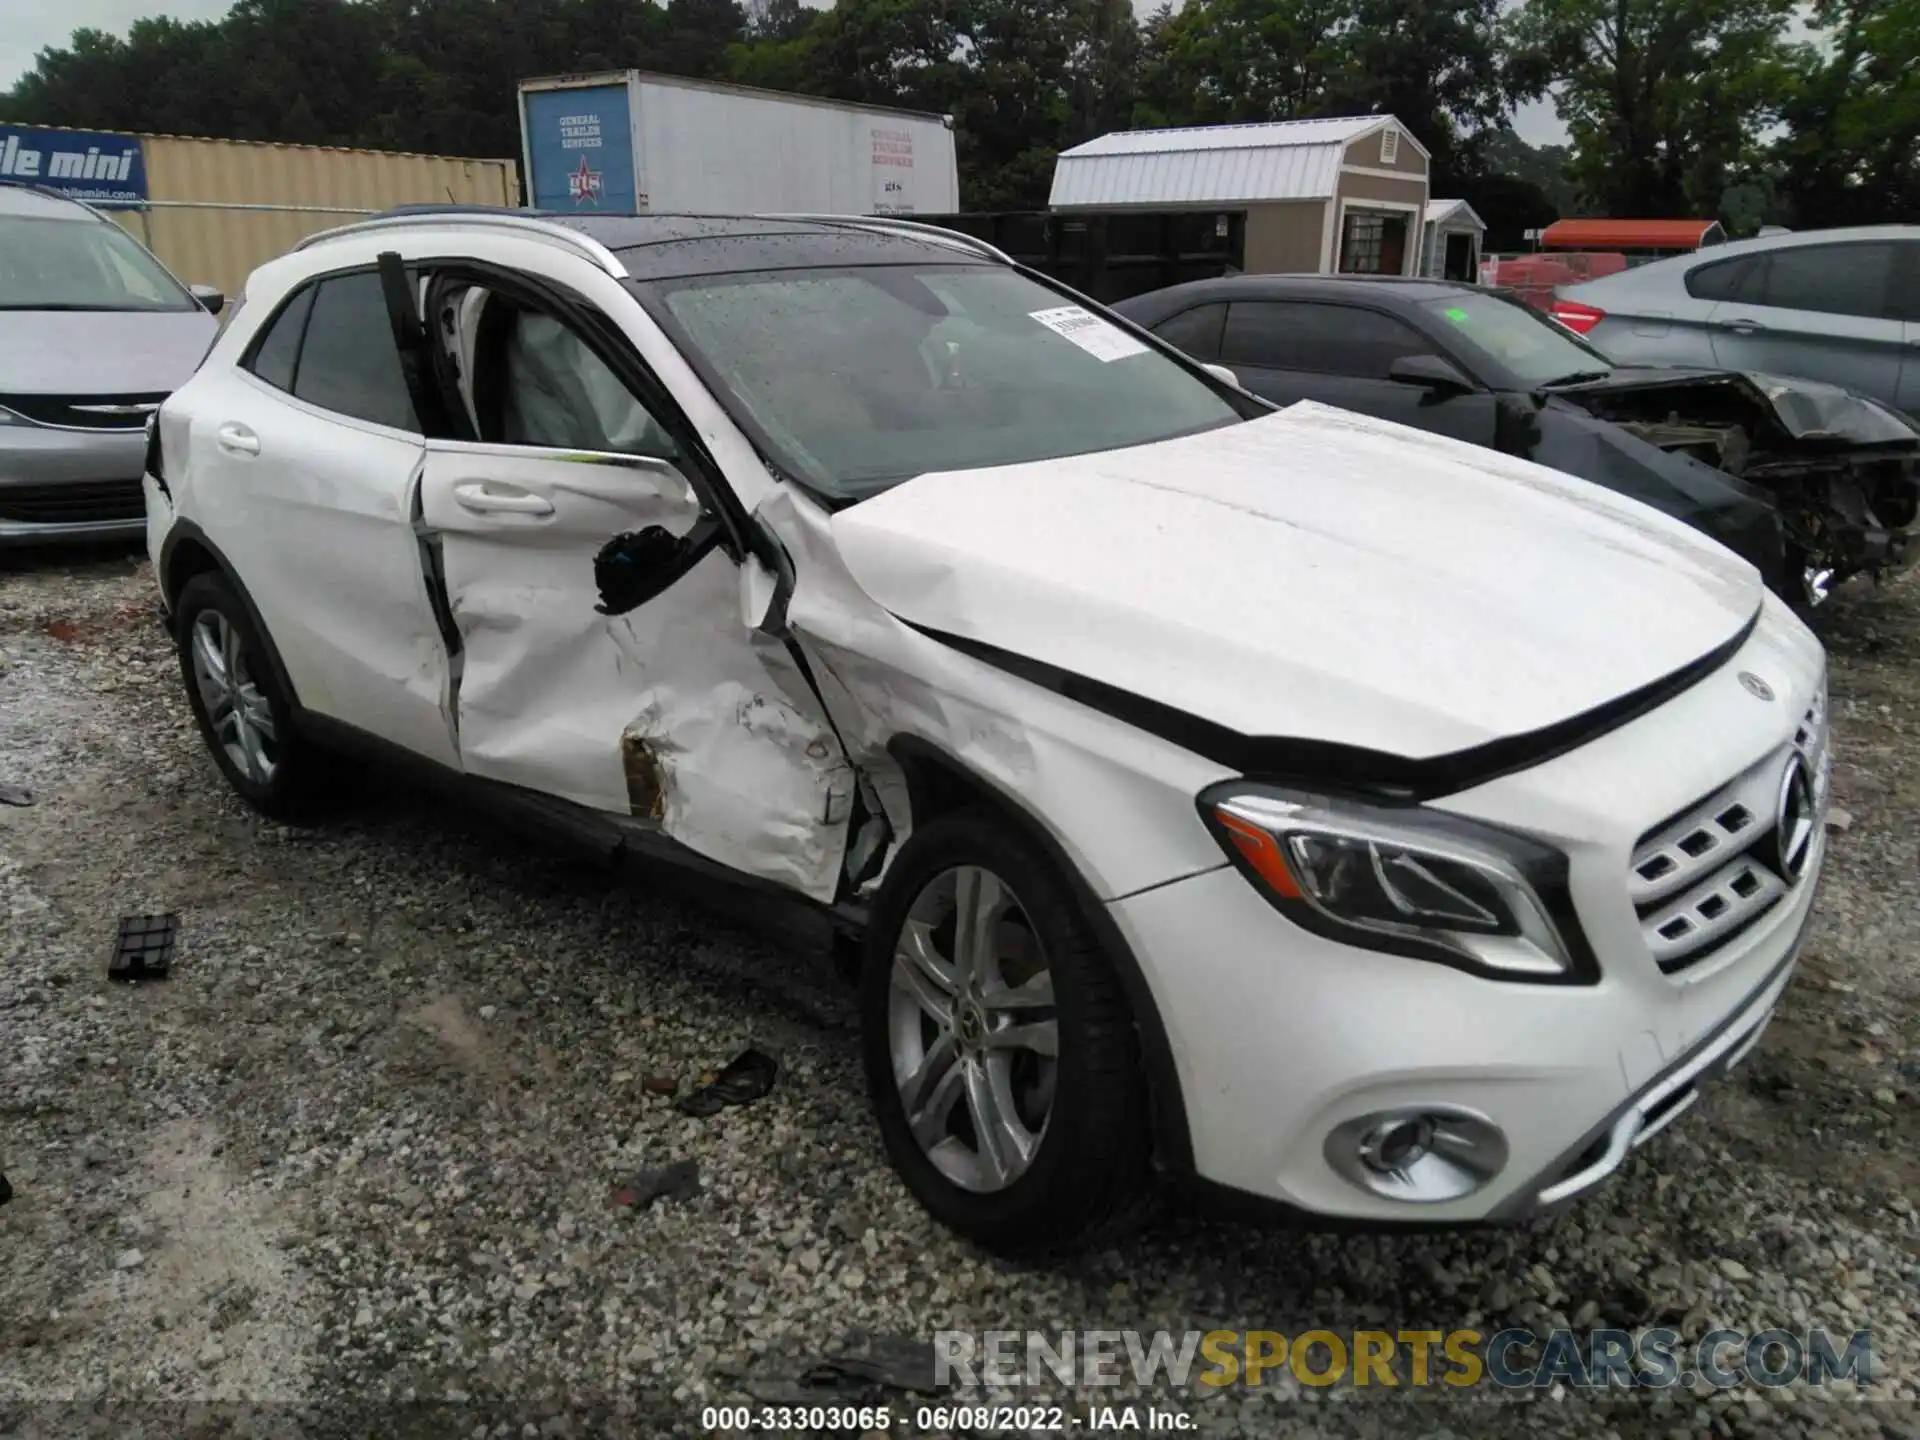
x=1001 y=1055
x=237 y=712
x=244 y=716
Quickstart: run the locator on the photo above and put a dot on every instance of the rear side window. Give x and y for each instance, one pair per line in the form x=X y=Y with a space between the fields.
x=1830 y=279
x=1722 y=280
x=1322 y=339
x=277 y=350
x=1196 y=331
x=348 y=363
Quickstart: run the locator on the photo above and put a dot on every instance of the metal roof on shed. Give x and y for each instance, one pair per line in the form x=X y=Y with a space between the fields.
x=1441 y=210
x=1214 y=164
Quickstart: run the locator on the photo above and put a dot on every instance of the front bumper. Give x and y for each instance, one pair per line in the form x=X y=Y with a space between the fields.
x=70 y=485
x=1594 y=1161
x=1288 y=1045
x=1283 y=1039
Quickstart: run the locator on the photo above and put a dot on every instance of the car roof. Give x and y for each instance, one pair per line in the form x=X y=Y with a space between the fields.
x=673 y=246
x=668 y=246
x=40 y=203
x=1401 y=288
x=1792 y=238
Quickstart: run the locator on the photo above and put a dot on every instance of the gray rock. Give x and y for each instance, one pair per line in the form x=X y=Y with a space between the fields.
x=377 y=930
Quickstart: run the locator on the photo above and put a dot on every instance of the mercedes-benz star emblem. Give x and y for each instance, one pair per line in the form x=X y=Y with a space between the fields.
x=1794 y=820
x=1755 y=686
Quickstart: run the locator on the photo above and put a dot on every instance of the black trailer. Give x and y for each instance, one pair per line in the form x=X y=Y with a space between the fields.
x=1117 y=254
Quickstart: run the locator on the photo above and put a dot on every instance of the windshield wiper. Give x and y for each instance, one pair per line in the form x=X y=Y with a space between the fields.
x=1578 y=377
x=44 y=306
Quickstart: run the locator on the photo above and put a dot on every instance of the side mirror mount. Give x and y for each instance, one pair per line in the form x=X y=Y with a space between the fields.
x=211 y=300
x=633 y=567
x=1221 y=372
x=1430 y=372
x=760 y=595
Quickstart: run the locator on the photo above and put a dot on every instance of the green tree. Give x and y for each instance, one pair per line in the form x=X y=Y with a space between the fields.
x=1501 y=152
x=1851 y=151
x=1665 y=99
x=1022 y=79
x=1225 y=62
x=1436 y=66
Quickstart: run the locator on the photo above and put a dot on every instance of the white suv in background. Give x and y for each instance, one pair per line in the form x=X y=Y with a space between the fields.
x=1327 y=810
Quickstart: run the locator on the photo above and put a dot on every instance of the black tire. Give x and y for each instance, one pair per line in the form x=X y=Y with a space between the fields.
x=1090 y=1178
x=288 y=793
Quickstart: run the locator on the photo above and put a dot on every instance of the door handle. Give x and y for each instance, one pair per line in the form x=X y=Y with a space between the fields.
x=481 y=498
x=237 y=439
x=1743 y=326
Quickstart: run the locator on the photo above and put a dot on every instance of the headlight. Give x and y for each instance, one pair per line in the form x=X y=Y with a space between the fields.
x=1405 y=880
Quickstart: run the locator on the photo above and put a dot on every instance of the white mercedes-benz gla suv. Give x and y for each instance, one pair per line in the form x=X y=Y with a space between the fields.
x=1290 y=801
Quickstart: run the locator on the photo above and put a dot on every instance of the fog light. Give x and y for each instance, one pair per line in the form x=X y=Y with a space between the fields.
x=1425 y=1156
x=1396 y=1144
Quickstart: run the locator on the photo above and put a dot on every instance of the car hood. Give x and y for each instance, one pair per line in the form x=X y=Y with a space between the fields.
x=1809 y=410
x=1311 y=574
x=101 y=352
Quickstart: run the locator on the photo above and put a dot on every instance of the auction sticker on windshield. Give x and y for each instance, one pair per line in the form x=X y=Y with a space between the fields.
x=1089 y=332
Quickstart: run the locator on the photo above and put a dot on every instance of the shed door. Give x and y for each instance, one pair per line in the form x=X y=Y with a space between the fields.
x=1460 y=262
x=1373 y=242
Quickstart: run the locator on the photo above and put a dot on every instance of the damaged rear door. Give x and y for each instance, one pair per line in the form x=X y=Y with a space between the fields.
x=591 y=597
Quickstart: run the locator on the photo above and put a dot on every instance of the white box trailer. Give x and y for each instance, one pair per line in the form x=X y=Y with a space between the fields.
x=624 y=141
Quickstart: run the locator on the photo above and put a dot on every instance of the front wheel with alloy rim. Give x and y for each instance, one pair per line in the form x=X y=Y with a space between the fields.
x=244 y=716
x=1000 y=1051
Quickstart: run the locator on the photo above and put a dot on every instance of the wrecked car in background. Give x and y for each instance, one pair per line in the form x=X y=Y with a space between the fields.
x=1843 y=469
x=1838 y=469
x=1379 y=826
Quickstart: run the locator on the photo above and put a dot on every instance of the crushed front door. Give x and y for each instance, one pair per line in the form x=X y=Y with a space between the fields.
x=572 y=676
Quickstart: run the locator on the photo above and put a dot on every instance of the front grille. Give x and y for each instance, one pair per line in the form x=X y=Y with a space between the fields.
x=73 y=503
x=86 y=412
x=1709 y=873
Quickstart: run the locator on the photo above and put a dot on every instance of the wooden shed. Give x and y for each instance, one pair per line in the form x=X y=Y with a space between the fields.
x=1344 y=196
x=1450 y=247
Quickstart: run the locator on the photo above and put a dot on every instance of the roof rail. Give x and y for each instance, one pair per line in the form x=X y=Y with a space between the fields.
x=901 y=226
x=527 y=222
x=458 y=207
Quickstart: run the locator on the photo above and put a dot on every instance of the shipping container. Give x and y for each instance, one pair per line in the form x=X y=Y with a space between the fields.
x=214 y=210
x=625 y=141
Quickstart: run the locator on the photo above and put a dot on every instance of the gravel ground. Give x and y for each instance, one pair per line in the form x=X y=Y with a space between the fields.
x=351 y=1165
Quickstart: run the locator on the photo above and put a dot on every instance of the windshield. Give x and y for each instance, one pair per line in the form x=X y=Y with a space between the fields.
x=858 y=379
x=1533 y=349
x=49 y=264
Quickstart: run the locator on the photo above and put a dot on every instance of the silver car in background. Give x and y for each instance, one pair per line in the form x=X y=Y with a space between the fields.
x=94 y=334
x=1841 y=306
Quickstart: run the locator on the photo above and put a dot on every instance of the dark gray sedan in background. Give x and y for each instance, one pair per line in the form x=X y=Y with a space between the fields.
x=1809 y=482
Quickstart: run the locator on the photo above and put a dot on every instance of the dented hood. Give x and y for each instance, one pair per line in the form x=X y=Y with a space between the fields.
x=1311 y=574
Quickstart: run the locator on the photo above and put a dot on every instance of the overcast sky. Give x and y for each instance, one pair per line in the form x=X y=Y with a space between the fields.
x=50 y=24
